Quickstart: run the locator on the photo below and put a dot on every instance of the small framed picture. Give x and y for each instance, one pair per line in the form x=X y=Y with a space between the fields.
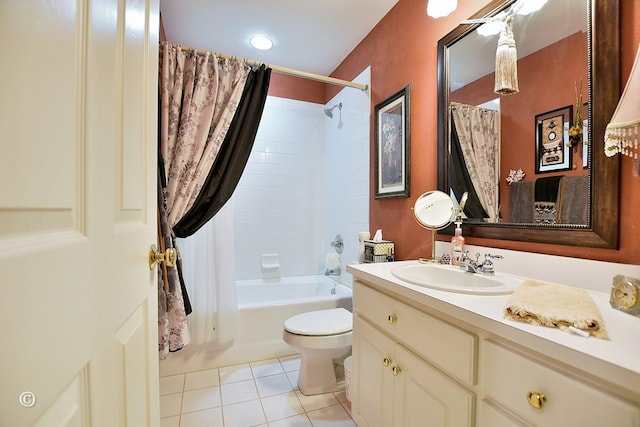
x=392 y=146
x=552 y=136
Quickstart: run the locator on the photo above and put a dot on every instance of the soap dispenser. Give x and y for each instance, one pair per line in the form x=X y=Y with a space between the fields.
x=457 y=244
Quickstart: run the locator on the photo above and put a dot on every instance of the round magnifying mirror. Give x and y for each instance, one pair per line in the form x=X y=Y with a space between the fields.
x=434 y=210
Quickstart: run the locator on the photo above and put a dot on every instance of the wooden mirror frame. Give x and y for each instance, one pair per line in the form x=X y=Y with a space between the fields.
x=604 y=88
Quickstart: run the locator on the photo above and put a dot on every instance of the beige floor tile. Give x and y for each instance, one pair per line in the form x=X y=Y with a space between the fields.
x=202 y=398
x=297 y=421
x=235 y=373
x=275 y=384
x=237 y=392
x=332 y=416
x=207 y=418
x=266 y=368
x=281 y=406
x=170 y=405
x=291 y=363
x=172 y=384
x=317 y=401
x=243 y=414
x=201 y=379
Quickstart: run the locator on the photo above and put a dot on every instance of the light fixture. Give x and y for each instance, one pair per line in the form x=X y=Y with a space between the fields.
x=526 y=7
x=622 y=134
x=441 y=8
x=261 y=42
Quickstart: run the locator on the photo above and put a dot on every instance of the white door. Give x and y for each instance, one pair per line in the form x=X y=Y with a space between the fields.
x=78 y=303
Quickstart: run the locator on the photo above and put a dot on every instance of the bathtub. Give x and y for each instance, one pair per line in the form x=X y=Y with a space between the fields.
x=264 y=305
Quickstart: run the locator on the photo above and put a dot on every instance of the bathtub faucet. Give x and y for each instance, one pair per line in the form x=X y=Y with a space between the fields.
x=332 y=272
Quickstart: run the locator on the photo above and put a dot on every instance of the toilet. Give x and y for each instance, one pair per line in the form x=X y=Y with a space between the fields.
x=324 y=339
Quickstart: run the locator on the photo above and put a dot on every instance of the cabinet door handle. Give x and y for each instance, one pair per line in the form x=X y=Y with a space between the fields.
x=391 y=319
x=395 y=371
x=386 y=361
x=536 y=399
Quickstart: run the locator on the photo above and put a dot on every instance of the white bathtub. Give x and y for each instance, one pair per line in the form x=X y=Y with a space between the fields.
x=291 y=291
x=264 y=305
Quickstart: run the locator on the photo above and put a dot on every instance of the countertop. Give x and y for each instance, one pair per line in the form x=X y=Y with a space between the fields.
x=615 y=361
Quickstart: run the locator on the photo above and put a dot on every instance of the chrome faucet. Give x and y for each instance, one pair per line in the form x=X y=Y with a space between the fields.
x=332 y=272
x=474 y=266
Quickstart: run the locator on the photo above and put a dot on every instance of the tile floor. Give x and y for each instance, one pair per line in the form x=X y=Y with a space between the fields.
x=260 y=394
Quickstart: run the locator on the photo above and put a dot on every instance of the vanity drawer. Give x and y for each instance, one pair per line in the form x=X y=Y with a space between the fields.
x=508 y=378
x=449 y=348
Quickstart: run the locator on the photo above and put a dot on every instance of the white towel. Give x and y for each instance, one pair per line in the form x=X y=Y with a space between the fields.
x=556 y=306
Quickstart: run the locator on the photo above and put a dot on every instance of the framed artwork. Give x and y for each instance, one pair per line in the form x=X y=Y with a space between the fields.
x=552 y=135
x=392 y=146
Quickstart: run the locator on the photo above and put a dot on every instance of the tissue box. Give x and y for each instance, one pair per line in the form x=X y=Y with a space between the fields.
x=382 y=251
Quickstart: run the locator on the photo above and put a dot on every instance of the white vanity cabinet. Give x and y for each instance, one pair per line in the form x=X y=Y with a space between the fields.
x=422 y=362
x=538 y=394
x=397 y=381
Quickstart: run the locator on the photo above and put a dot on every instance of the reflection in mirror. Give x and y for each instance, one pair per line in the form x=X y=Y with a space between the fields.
x=552 y=56
x=485 y=137
x=434 y=210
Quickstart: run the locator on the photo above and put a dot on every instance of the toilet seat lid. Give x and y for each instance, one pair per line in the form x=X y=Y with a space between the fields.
x=322 y=322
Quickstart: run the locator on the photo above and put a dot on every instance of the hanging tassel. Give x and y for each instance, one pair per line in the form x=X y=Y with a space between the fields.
x=506 y=61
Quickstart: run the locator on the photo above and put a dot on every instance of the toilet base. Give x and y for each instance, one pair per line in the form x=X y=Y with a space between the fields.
x=319 y=373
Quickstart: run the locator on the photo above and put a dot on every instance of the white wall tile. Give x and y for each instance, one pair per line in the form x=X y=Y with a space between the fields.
x=305 y=182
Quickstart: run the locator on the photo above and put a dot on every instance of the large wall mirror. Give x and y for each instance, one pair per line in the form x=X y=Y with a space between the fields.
x=568 y=75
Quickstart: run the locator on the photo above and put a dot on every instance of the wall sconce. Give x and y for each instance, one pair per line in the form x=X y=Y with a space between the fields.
x=441 y=8
x=622 y=134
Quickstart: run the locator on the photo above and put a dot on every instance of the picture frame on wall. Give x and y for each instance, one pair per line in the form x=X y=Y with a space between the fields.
x=392 y=146
x=552 y=135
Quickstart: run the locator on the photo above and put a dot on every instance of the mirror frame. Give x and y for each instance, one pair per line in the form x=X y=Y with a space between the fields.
x=604 y=93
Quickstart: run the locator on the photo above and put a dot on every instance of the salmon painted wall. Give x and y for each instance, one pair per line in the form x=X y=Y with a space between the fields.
x=401 y=50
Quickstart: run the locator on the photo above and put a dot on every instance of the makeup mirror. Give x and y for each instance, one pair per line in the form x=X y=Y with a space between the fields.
x=434 y=210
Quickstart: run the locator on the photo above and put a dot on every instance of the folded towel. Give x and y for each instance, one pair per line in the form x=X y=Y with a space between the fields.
x=546 y=189
x=521 y=202
x=574 y=200
x=556 y=306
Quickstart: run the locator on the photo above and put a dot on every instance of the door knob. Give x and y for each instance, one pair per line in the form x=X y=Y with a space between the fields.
x=168 y=257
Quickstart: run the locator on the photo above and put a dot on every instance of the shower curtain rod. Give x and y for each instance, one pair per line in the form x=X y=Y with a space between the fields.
x=290 y=71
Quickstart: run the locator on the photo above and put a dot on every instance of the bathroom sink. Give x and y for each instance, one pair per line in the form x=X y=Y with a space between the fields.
x=453 y=279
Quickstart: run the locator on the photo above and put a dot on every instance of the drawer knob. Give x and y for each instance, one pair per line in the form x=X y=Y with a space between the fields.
x=536 y=399
x=391 y=319
x=386 y=361
x=395 y=371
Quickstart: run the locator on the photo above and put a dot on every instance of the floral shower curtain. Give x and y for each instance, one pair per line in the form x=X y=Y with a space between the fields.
x=199 y=98
x=478 y=131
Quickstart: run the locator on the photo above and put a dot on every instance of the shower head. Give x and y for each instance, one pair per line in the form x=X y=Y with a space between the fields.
x=329 y=111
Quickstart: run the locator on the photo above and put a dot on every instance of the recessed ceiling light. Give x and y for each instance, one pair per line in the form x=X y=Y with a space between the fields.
x=261 y=42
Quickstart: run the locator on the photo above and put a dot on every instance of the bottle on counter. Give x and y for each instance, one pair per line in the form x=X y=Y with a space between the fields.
x=457 y=245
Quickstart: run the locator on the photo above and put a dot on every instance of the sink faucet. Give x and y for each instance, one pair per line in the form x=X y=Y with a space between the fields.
x=474 y=266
